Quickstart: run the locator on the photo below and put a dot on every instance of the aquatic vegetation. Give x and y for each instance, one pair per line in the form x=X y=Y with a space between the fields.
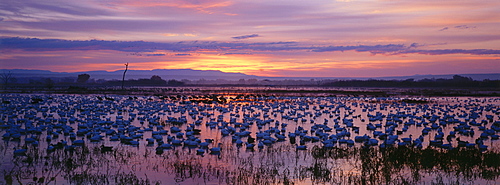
x=386 y=165
x=248 y=139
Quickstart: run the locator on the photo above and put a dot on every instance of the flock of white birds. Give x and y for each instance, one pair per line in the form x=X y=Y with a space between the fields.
x=64 y=122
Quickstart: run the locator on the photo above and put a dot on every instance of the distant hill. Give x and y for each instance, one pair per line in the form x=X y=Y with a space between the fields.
x=177 y=74
x=23 y=75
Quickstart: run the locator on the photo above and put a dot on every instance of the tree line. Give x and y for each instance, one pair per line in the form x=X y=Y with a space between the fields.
x=9 y=80
x=456 y=82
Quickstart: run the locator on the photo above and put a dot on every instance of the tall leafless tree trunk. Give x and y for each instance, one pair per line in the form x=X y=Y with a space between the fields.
x=123 y=79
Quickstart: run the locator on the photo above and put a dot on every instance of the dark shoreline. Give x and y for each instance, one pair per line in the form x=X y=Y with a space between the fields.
x=264 y=91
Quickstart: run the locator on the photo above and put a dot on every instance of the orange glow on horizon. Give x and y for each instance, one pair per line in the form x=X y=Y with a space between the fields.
x=287 y=64
x=226 y=63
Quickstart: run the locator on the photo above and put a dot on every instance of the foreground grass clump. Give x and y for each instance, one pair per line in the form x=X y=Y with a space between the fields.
x=410 y=165
x=274 y=165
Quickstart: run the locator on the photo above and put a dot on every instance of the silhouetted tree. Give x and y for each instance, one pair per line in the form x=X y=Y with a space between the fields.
x=185 y=81
x=83 y=78
x=456 y=82
x=49 y=83
x=175 y=83
x=252 y=81
x=6 y=78
x=156 y=78
x=241 y=81
x=123 y=79
x=461 y=78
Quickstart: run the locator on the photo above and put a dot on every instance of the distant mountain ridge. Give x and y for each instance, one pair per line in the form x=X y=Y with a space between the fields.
x=190 y=74
x=132 y=74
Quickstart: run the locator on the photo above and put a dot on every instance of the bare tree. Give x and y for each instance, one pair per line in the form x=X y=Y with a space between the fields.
x=123 y=79
x=6 y=78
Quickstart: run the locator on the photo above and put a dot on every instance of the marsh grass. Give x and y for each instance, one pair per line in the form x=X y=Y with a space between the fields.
x=403 y=165
x=276 y=164
x=279 y=163
x=83 y=165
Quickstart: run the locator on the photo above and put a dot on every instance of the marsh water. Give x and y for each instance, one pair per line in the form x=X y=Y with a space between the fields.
x=248 y=139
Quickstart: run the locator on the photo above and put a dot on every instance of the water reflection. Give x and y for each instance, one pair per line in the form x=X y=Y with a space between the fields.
x=403 y=165
x=349 y=165
x=260 y=140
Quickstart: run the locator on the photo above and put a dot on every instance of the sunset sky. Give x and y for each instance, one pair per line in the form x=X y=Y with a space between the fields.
x=293 y=38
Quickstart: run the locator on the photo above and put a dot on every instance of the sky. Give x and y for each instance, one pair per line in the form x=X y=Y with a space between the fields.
x=275 y=38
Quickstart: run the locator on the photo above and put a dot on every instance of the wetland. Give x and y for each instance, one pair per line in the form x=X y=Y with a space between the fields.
x=222 y=136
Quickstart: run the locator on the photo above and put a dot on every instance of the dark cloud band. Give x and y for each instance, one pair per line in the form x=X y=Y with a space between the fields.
x=245 y=36
x=35 y=44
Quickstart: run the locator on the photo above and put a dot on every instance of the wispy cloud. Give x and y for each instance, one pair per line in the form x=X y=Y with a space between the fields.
x=443 y=29
x=189 y=33
x=375 y=49
x=155 y=55
x=460 y=27
x=245 y=36
x=182 y=54
x=237 y=53
x=454 y=51
x=35 y=44
x=206 y=7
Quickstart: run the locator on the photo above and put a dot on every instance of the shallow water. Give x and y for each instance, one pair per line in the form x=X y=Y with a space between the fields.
x=57 y=121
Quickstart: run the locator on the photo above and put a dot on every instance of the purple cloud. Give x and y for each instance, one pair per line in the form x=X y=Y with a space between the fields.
x=376 y=49
x=443 y=29
x=454 y=51
x=462 y=27
x=182 y=54
x=237 y=53
x=69 y=10
x=155 y=55
x=35 y=44
x=246 y=36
